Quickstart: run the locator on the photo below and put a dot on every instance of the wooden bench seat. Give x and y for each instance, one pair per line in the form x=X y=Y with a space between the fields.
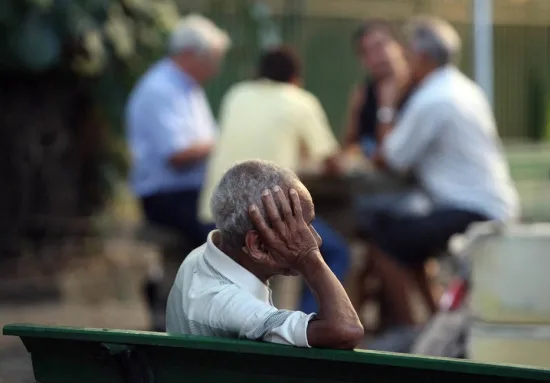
x=71 y=355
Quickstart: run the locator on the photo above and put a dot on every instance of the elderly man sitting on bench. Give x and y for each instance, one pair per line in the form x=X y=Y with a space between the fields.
x=222 y=287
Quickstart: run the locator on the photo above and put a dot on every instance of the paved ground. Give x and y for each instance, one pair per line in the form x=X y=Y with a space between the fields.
x=15 y=366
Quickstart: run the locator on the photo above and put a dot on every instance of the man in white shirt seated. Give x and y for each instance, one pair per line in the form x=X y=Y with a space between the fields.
x=447 y=137
x=222 y=290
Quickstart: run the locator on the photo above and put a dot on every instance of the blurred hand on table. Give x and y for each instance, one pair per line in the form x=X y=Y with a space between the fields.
x=347 y=162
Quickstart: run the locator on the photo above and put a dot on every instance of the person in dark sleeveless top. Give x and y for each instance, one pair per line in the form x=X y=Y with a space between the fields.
x=363 y=110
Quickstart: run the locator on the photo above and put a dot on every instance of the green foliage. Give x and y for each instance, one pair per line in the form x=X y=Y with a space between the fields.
x=110 y=42
x=87 y=36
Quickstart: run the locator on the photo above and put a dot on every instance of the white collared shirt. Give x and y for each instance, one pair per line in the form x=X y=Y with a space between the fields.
x=215 y=296
x=447 y=137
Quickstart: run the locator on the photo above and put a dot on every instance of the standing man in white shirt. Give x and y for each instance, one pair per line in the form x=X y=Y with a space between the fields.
x=447 y=137
x=222 y=290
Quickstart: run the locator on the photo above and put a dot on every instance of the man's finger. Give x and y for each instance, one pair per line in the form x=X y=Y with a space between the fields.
x=288 y=217
x=296 y=204
x=258 y=221
x=272 y=211
x=283 y=201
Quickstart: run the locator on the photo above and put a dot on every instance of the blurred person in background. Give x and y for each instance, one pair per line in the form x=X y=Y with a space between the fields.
x=272 y=118
x=447 y=137
x=373 y=42
x=171 y=129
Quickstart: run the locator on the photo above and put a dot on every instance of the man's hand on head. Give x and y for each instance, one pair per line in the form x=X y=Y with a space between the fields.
x=290 y=241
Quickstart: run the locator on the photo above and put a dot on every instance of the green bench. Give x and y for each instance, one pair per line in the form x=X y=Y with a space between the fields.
x=80 y=355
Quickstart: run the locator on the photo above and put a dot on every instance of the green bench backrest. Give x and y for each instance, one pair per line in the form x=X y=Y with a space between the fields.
x=77 y=355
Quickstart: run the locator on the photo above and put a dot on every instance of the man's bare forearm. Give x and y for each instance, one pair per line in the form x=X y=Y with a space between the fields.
x=382 y=131
x=337 y=324
x=194 y=153
x=333 y=165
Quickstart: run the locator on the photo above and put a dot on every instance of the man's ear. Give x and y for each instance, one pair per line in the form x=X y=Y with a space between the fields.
x=254 y=246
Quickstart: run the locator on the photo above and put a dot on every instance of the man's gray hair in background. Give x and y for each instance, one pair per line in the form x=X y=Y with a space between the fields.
x=434 y=37
x=198 y=34
x=241 y=186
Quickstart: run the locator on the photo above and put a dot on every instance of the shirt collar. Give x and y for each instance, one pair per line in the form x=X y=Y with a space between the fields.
x=180 y=73
x=437 y=74
x=233 y=271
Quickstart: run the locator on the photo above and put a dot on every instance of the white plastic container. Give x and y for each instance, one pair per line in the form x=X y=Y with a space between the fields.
x=511 y=275
x=523 y=345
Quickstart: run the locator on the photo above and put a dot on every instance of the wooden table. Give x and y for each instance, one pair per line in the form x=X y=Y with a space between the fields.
x=334 y=196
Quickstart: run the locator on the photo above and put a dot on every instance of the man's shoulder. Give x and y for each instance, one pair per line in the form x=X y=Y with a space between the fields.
x=189 y=264
x=204 y=286
x=158 y=81
x=194 y=257
x=453 y=94
x=436 y=94
x=303 y=95
x=302 y=102
x=241 y=92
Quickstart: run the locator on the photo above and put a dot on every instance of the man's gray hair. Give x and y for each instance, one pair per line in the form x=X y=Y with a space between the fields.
x=241 y=186
x=434 y=37
x=197 y=34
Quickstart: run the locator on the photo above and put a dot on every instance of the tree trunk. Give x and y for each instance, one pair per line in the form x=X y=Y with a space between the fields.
x=51 y=140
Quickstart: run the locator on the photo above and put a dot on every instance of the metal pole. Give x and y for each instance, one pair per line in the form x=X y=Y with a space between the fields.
x=483 y=46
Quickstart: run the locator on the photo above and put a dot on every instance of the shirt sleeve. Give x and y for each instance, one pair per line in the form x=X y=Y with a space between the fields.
x=243 y=314
x=411 y=136
x=166 y=117
x=315 y=131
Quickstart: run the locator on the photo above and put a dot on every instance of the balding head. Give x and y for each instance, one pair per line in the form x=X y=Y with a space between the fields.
x=432 y=43
x=198 y=46
x=195 y=33
x=435 y=38
x=242 y=186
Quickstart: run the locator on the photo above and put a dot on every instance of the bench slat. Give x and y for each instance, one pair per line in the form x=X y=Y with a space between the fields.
x=66 y=355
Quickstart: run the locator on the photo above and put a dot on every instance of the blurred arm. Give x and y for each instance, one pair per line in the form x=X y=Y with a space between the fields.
x=351 y=130
x=317 y=138
x=172 y=132
x=406 y=142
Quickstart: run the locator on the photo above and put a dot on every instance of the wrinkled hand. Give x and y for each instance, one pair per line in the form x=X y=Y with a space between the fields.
x=289 y=240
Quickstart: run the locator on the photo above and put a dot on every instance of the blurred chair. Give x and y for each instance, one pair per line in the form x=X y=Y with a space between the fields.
x=158 y=282
x=392 y=288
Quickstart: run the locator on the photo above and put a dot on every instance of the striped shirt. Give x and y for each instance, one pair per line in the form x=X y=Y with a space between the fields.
x=215 y=296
